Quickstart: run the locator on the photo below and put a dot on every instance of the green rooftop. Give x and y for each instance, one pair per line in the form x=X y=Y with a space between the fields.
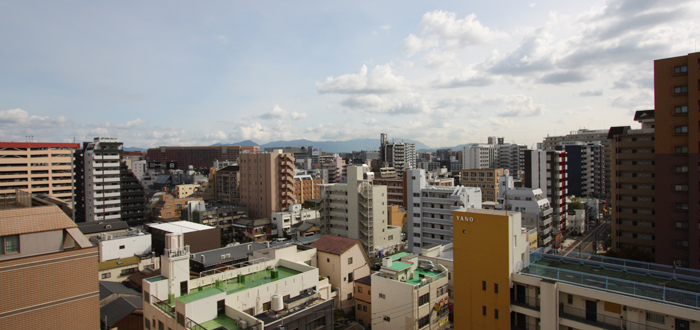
x=221 y=321
x=398 y=255
x=399 y=266
x=196 y=295
x=423 y=274
x=155 y=279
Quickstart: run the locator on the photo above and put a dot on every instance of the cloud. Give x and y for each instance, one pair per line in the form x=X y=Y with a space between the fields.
x=385 y=27
x=587 y=93
x=556 y=78
x=533 y=55
x=380 y=81
x=437 y=59
x=466 y=79
x=298 y=115
x=132 y=123
x=276 y=113
x=13 y=117
x=443 y=28
x=408 y=104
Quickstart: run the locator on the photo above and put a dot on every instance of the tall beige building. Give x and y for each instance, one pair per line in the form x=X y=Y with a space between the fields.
x=267 y=182
x=38 y=168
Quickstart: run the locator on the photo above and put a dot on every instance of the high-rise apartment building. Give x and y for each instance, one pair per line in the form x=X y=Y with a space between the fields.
x=585 y=136
x=532 y=203
x=585 y=168
x=399 y=155
x=357 y=209
x=267 y=182
x=546 y=169
x=227 y=184
x=48 y=271
x=511 y=157
x=37 y=168
x=98 y=180
x=633 y=201
x=306 y=187
x=479 y=156
x=676 y=132
x=430 y=209
x=333 y=164
x=198 y=157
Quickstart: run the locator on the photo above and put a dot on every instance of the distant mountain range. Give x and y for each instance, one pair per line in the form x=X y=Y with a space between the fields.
x=328 y=146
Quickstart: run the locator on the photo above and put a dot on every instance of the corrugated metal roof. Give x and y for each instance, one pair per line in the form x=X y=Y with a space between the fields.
x=33 y=219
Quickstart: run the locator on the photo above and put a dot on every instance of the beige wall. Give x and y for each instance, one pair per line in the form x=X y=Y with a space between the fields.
x=267 y=183
x=338 y=268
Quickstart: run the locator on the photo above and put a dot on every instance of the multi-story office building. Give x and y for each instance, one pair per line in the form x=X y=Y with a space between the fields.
x=37 y=168
x=228 y=181
x=306 y=187
x=546 y=169
x=552 y=289
x=532 y=203
x=48 y=270
x=357 y=209
x=677 y=116
x=430 y=209
x=633 y=176
x=585 y=170
x=399 y=155
x=511 y=157
x=584 y=136
x=478 y=156
x=485 y=179
x=260 y=294
x=198 y=157
x=267 y=182
x=396 y=193
x=409 y=293
x=98 y=180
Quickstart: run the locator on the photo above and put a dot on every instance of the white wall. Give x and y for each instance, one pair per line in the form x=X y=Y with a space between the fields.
x=124 y=247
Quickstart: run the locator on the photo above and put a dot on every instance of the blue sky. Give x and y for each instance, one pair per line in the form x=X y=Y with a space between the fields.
x=441 y=72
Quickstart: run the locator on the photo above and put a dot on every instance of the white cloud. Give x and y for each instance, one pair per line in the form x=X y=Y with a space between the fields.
x=443 y=28
x=298 y=115
x=276 y=113
x=597 y=92
x=437 y=59
x=380 y=81
x=13 y=117
x=386 y=27
x=407 y=104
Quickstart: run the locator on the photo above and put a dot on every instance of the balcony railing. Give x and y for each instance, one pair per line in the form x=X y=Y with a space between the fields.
x=525 y=301
x=163 y=306
x=601 y=321
x=192 y=325
x=174 y=253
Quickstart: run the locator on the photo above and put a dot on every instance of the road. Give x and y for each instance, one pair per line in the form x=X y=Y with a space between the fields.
x=584 y=244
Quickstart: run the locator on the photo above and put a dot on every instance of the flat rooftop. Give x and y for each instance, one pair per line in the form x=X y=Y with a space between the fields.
x=640 y=279
x=179 y=226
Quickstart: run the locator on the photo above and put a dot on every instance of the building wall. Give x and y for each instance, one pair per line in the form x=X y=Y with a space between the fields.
x=70 y=300
x=338 y=269
x=186 y=190
x=124 y=247
x=677 y=206
x=307 y=189
x=475 y=287
x=267 y=183
x=198 y=157
x=44 y=168
x=487 y=182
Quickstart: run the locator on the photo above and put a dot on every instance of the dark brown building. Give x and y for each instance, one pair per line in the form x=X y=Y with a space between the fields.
x=199 y=157
x=677 y=119
x=633 y=202
x=198 y=237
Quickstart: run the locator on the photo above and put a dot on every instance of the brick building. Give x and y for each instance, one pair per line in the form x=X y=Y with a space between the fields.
x=198 y=157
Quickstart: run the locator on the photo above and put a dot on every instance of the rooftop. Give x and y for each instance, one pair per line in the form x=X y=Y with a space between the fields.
x=334 y=244
x=179 y=226
x=33 y=219
x=640 y=279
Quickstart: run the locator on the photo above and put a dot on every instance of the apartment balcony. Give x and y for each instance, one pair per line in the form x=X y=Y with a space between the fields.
x=107 y=172
x=107 y=209
x=532 y=303
x=546 y=223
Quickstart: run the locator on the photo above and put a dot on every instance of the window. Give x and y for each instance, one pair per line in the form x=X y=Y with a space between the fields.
x=681 y=225
x=681 y=109
x=387 y=319
x=350 y=261
x=180 y=319
x=161 y=326
x=681 y=129
x=364 y=308
x=121 y=247
x=350 y=277
x=423 y=321
x=416 y=194
x=416 y=204
x=681 y=149
x=417 y=215
x=483 y=310
x=128 y=271
x=570 y=299
x=680 y=69
x=681 y=262
x=317 y=323
x=267 y=305
x=106 y=275
x=359 y=289
x=681 y=169
x=681 y=243
x=681 y=187
x=682 y=206
x=495 y=288
x=681 y=89
x=495 y=314
x=424 y=299
x=483 y=285
x=416 y=234
x=657 y=318
x=9 y=244
x=417 y=225
x=382 y=296
x=146 y=324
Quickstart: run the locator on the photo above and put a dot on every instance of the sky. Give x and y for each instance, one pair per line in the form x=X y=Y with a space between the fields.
x=440 y=72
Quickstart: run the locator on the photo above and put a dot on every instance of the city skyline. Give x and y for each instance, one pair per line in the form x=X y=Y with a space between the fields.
x=441 y=73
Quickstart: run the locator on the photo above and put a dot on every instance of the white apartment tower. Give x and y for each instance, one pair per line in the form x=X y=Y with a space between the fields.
x=399 y=155
x=532 y=203
x=357 y=209
x=478 y=156
x=546 y=169
x=101 y=179
x=430 y=209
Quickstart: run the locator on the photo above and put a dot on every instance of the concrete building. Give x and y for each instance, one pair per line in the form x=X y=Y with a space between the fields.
x=481 y=293
x=395 y=189
x=677 y=155
x=363 y=301
x=294 y=215
x=186 y=190
x=478 y=156
x=585 y=136
x=98 y=192
x=357 y=209
x=306 y=187
x=37 y=168
x=585 y=171
x=511 y=156
x=409 y=293
x=267 y=182
x=221 y=216
x=228 y=180
x=429 y=212
x=263 y=293
x=341 y=260
x=546 y=169
x=197 y=236
x=133 y=197
x=485 y=179
x=633 y=202
x=332 y=164
x=169 y=208
x=47 y=270
x=399 y=155
x=532 y=203
x=197 y=156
